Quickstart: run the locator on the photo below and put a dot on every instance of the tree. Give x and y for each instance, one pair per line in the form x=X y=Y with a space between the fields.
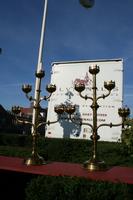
x=127 y=135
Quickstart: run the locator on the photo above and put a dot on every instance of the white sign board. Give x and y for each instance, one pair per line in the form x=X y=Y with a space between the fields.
x=64 y=75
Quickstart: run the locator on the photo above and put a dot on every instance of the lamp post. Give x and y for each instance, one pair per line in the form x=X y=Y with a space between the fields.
x=94 y=163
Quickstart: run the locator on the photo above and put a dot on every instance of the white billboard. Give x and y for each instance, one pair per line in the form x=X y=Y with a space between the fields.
x=65 y=75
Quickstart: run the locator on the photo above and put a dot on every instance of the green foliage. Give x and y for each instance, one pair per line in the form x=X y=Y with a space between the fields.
x=127 y=136
x=14 y=151
x=14 y=140
x=67 y=188
x=65 y=150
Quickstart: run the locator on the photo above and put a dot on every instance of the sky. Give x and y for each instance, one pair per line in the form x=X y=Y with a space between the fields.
x=72 y=33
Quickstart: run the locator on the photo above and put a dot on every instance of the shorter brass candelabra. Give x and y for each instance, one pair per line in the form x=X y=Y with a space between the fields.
x=94 y=163
x=35 y=158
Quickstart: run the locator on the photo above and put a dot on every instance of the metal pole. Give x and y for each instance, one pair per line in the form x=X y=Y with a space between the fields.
x=94 y=108
x=39 y=68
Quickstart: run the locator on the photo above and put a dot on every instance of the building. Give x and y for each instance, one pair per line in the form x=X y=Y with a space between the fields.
x=64 y=76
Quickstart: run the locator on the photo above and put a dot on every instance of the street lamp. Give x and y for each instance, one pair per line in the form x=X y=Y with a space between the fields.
x=87 y=3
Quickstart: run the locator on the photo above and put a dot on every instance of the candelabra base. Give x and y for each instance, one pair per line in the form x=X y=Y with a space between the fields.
x=95 y=165
x=35 y=159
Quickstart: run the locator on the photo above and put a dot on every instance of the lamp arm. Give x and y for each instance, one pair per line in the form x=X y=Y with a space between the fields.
x=22 y=121
x=110 y=125
x=85 y=97
x=30 y=98
x=104 y=95
x=48 y=122
x=88 y=125
x=45 y=98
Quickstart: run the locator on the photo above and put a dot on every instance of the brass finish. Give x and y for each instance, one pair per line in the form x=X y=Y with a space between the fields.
x=124 y=112
x=109 y=85
x=94 y=163
x=35 y=159
x=51 y=88
x=59 y=109
x=16 y=110
x=94 y=69
x=70 y=109
x=26 y=88
x=80 y=87
x=40 y=74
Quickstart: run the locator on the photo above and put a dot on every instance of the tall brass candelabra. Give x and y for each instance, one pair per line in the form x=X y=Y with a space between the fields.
x=94 y=163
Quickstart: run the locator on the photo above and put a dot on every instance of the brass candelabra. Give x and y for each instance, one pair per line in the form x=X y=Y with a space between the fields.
x=94 y=163
x=35 y=158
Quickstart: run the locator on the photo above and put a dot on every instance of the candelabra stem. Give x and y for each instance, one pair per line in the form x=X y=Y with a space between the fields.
x=94 y=108
x=35 y=158
x=94 y=163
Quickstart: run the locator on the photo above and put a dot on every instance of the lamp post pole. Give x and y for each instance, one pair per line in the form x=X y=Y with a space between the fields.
x=35 y=158
x=39 y=69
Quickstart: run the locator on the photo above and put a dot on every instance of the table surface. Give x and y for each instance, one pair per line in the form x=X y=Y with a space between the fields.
x=114 y=174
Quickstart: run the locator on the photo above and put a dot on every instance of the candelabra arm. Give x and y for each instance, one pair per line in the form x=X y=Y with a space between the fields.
x=110 y=125
x=104 y=95
x=48 y=122
x=30 y=98
x=22 y=121
x=85 y=97
x=83 y=123
x=45 y=98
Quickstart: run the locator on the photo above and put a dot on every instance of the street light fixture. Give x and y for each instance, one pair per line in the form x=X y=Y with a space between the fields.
x=87 y=3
